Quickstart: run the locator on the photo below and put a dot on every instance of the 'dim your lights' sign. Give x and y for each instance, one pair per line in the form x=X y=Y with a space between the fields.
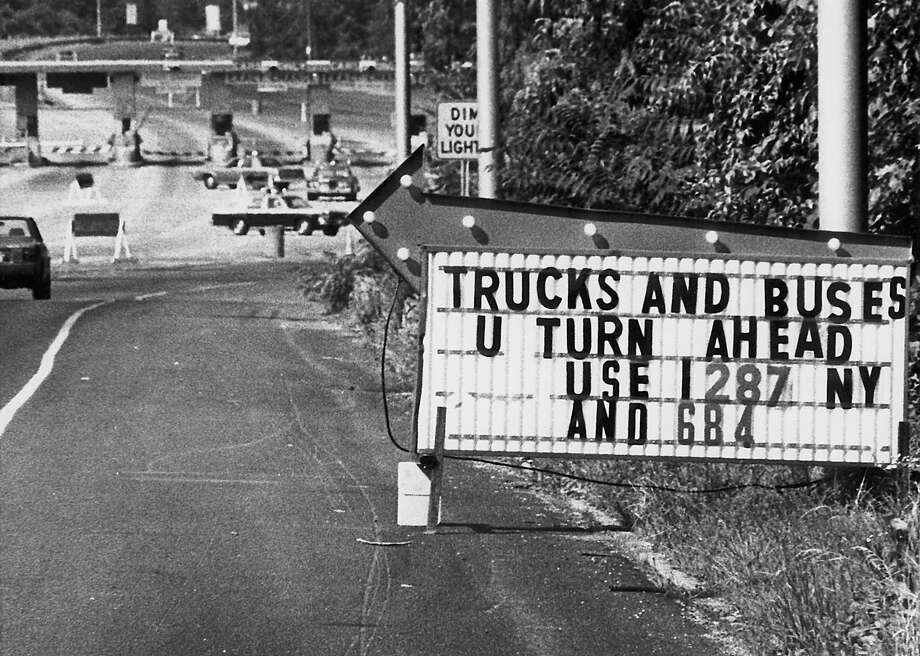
x=701 y=357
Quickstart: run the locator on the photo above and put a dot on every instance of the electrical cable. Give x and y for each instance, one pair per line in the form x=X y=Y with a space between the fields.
x=383 y=370
x=646 y=486
x=554 y=472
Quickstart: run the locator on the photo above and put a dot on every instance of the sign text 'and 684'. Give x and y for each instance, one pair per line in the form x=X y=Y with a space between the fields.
x=665 y=356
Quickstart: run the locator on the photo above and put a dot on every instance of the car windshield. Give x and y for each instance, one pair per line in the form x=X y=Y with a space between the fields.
x=333 y=169
x=15 y=228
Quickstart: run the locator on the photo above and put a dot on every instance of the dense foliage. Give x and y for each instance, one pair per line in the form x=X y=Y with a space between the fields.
x=695 y=108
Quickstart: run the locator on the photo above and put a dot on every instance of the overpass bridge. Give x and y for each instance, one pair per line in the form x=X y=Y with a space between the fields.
x=212 y=80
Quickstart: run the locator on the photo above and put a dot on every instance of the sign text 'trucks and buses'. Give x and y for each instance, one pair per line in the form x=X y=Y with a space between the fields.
x=690 y=357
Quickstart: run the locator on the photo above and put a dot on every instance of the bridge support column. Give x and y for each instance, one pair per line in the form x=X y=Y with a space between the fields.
x=126 y=142
x=26 y=86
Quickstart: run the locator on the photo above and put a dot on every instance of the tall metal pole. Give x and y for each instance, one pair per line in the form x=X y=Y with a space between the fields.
x=233 y=4
x=403 y=94
x=99 y=18
x=842 y=115
x=487 y=96
x=308 y=19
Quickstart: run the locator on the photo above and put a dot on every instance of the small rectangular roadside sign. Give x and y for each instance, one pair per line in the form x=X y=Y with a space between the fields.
x=458 y=130
x=96 y=224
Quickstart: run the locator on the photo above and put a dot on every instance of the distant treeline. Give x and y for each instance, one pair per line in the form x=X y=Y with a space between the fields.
x=279 y=28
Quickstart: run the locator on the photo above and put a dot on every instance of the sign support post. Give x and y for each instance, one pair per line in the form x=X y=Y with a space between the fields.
x=403 y=93
x=842 y=115
x=487 y=96
x=70 y=246
x=122 y=250
x=437 y=473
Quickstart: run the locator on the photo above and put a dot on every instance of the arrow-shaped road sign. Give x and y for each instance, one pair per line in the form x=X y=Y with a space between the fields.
x=398 y=218
x=565 y=332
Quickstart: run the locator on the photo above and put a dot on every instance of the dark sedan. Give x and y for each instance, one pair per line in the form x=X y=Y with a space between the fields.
x=24 y=258
x=287 y=210
x=332 y=180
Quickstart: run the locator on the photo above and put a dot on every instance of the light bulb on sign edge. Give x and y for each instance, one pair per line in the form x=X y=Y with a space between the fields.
x=403 y=253
x=834 y=244
x=468 y=221
x=712 y=237
x=369 y=217
x=406 y=181
x=590 y=229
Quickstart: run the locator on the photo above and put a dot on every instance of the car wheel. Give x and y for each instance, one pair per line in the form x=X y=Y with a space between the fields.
x=41 y=291
x=240 y=227
x=232 y=186
x=305 y=227
x=331 y=231
x=210 y=182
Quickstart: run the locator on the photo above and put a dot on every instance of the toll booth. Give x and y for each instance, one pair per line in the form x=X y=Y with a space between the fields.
x=321 y=139
x=223 y=142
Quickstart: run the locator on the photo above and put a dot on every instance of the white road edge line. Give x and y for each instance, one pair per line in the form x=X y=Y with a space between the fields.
x=44 y=369
x=144 y=297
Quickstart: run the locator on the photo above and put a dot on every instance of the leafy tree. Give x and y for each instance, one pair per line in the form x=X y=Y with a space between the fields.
x=894 y=117
x=703 y=109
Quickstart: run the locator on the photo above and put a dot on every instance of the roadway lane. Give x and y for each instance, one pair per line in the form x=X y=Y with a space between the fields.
x=195 y=474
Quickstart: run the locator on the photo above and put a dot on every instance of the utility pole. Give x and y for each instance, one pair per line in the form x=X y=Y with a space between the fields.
x=308 y=19
x=234 y=33
x=487 y=97
x=842 y=116
x=99 y=18
x=403 y=94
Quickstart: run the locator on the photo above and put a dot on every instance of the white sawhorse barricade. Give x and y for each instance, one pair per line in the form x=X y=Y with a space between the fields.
x=91 y=219
x=97 y=224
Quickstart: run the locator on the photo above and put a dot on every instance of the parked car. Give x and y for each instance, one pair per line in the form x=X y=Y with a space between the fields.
x=255 y=171
x=287 y=210
x=332 y=180
x=24 y=258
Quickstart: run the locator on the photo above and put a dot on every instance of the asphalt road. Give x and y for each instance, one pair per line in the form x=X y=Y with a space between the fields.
x=201 y=467
x=196 y=472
